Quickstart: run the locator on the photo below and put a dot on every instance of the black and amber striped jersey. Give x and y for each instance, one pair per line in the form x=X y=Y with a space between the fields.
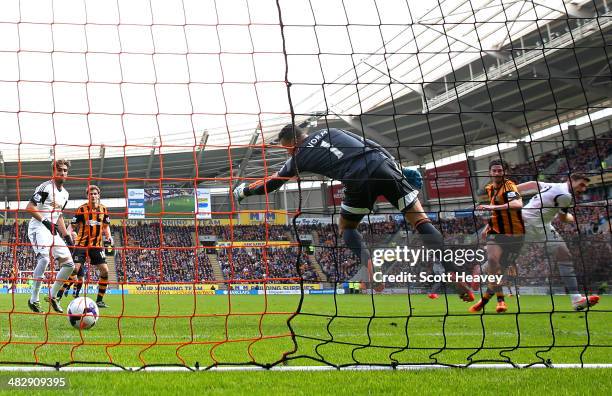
x=90 y=222
x=505 y=221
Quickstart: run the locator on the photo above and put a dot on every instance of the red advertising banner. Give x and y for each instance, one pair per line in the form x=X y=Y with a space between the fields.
x=335 y=195
x=448 y=181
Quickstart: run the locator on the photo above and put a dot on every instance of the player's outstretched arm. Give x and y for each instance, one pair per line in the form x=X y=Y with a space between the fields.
x=527 y=187
x=514 y=204
x=260 y=187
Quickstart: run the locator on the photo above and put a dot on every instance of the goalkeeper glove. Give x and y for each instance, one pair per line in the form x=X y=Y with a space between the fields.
x=50 y=227
x=413 y=177
x=240 y=192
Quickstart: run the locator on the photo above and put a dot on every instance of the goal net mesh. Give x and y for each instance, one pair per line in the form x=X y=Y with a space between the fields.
x=168 y=105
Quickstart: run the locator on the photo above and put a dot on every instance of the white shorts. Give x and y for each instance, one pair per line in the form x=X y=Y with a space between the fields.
x=547 y=235
x=43 y=242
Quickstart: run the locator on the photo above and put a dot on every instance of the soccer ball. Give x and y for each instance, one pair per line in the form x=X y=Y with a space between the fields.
x=83 y=313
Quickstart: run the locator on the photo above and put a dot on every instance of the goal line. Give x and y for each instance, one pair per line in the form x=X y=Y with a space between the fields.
x=406 y=367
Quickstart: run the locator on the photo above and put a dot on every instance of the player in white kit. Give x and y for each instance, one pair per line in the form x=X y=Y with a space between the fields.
x=552 y=200
x=48 y=233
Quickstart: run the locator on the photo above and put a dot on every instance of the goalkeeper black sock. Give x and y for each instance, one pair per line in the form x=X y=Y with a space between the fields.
x=354 y=241
x=432 y=239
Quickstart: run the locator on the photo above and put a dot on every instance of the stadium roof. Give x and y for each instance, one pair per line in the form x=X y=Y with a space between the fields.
x=541 y=79
x=116 y=174
x=465 y=94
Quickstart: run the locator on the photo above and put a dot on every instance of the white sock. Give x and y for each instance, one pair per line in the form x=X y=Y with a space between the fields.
x=63 y=274
x=35 y=296
x=39 y=272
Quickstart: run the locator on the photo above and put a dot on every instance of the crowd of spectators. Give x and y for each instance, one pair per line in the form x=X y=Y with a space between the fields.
x=586 y=156
x=247 y=232
x=467 y=225
x=151 y=252
x=18 y=253
x=266 y=263
x=18 y=245
x=527 y=171
x=337 y=262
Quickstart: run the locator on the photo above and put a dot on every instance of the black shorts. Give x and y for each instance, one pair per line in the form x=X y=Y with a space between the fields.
x=511 y=246
x=96 y=255
x=388 y=181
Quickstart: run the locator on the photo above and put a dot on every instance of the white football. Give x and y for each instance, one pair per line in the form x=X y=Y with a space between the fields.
x=83 y=313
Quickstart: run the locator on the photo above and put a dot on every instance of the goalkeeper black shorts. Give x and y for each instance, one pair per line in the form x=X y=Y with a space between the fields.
x=387 y=181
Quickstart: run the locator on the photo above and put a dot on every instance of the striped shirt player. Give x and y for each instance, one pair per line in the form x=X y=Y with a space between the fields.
x=48 y=235
x=504 y=232
x=552 y=200
x=504 y=221
x=91 y=222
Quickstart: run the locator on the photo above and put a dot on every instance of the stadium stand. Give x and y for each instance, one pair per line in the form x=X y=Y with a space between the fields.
x=141 y=258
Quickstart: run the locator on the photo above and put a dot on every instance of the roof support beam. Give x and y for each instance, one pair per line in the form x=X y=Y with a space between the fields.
x=247 y=156
x=4 y=179
x=101 y=170
x=570 y=9
x=486 y=118
x=201 y=147
x=554 y=73
x=151 y=157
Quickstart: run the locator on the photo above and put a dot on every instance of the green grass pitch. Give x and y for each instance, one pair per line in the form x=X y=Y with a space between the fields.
x=179 y=206
x=185 y=329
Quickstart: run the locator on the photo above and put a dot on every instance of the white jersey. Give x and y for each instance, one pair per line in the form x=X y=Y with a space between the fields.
x=551 y=199
x=50 y=202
